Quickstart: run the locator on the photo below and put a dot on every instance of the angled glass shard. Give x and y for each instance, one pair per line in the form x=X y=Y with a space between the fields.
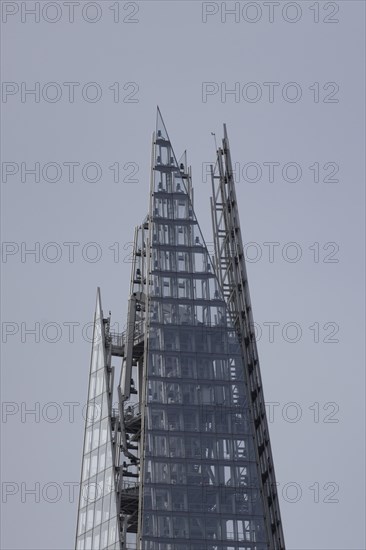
x=97 y=517
x=200 y=478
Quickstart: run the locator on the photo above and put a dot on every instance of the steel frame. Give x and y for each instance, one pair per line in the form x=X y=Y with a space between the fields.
x=231 y=271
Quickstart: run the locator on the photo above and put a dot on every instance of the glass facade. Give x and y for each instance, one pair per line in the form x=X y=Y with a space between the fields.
x=185 y=462
x=98 y=527
x=199 y=474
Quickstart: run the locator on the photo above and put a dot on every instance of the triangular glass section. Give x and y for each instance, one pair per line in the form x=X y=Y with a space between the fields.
x=97 y=515
x=200 y=476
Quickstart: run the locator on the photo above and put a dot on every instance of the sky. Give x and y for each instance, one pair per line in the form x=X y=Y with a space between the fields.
x=288 y=79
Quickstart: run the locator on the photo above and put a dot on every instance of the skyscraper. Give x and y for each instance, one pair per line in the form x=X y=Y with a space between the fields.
x=184 y=462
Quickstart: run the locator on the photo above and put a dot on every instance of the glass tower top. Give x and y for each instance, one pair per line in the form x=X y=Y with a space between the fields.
x=201 y=487
x=185 y=462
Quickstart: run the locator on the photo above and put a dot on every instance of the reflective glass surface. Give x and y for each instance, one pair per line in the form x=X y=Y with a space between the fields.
x=200 y=481
x=97 y=515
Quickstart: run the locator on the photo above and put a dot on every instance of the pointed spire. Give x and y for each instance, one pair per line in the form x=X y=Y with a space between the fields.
x=169 y=174
x=182 y=163
x=161 y=132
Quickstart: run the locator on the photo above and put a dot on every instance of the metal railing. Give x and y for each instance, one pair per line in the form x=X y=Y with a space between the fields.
x=129 y=485
x=117 y=339
x=132 y=410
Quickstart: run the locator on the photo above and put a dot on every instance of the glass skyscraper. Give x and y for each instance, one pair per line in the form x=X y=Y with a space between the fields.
x=184 y=461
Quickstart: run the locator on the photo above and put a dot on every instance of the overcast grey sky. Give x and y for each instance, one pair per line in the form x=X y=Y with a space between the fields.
x=296 y=125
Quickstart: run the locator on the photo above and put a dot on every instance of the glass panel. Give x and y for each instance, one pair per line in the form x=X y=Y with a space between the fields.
x=82 y=521
x=96 y=538
x=104 y=431
x=104 y=535
x=95 y=437
x=98 y=512
x=88 y=439
x=108 y=481
x=89 y=517
x=112 y=536
x=109 y=456
x=102 y=458
x=88 y=540
x=93 y=463
x=86 y=467
x=106 y=507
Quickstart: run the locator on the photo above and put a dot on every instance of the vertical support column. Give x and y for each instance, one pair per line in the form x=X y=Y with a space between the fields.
x=230 y=264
